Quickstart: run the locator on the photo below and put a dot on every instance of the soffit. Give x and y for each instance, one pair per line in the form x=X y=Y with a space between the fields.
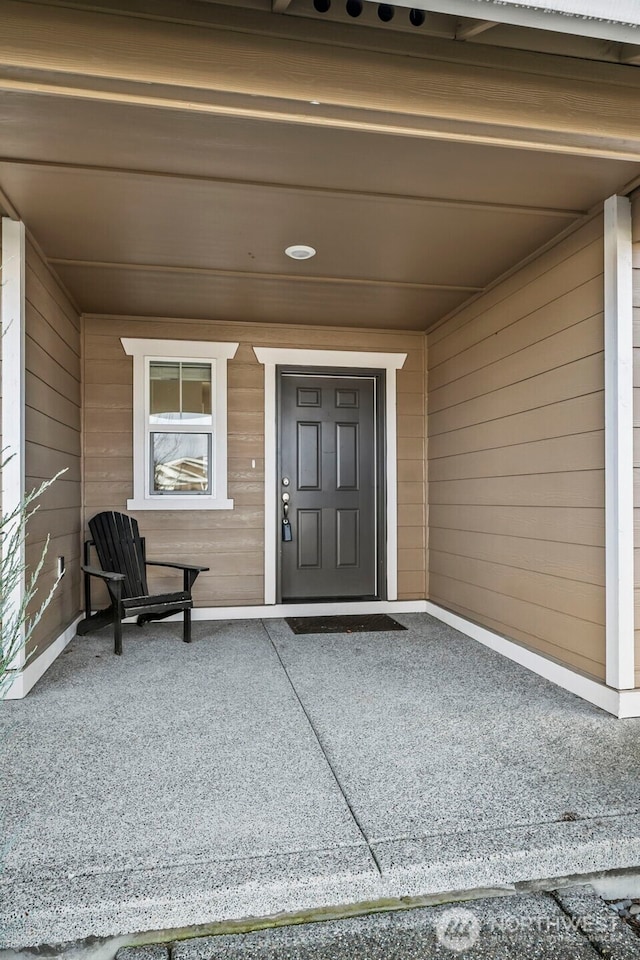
x=110 y=135
x=140 y=219
x=150 y=212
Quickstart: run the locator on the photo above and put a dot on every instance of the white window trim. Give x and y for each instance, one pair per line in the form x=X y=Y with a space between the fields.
x=271 y=357
x=217 y=353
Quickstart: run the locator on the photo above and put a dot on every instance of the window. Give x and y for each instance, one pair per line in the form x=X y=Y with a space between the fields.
x=179 y=424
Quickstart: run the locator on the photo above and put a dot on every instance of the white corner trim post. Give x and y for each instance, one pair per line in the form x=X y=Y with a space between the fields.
x=12 y=317
x=271 y=357
x=618 y=398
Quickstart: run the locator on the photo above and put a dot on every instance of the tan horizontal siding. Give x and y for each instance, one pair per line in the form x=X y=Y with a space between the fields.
x=550 y=352
x=41 y=365
x=564 y=419
x=550 y=260
x=525 y=301
x=539 y=644
x=552 y=489
x=582 y=451
x=45 y=462
x=231 y=543
x=53 y=443
x=635 y=214
x=567 y=561
x=516 y=455
x=582 y=600
x=581 y=526
x=553 y=386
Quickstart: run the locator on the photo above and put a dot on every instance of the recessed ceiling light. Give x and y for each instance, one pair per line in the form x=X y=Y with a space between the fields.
x=300 y=251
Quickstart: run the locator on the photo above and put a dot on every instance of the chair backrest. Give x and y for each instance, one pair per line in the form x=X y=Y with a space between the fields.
x=120 y=550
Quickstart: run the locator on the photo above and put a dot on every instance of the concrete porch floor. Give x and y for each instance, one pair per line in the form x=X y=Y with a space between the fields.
x=255 y=772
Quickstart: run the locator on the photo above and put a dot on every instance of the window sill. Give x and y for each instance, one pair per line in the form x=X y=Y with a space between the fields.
x=180 y=503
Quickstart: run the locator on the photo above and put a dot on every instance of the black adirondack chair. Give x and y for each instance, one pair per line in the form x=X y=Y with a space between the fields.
x=123 y=567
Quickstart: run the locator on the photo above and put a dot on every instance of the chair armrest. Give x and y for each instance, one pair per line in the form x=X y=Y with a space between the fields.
x=103 y=574
x=176 y=566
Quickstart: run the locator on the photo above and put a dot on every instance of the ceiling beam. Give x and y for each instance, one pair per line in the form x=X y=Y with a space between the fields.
x=486 y=96
x=623 y=144
x=473 y=29
x=261 y=275
x=345 y=193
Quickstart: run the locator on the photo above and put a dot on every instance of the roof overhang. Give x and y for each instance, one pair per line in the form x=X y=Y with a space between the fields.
x=617 y=20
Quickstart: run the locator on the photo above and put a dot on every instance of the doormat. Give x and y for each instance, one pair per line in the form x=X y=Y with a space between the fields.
x=365 y=623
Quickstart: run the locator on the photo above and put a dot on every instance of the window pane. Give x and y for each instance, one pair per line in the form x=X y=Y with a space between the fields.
x=180 y=463
x=196 y=391
x=164 y=391
x=179 y=392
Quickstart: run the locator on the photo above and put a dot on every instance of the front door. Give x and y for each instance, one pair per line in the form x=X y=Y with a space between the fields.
x=328 y=487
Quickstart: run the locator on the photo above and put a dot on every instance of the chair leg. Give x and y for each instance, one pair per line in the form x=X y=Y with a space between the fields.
x=117 y=634
x=116 y=607
x=186 y=630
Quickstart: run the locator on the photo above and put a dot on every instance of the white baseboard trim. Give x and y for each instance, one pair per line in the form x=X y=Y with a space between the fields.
x=35 y=668
x=277 y=610
x=621 y=703
x=629 y=704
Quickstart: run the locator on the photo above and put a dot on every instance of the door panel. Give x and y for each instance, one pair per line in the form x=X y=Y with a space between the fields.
x=309 y=539
x=347 y=538
x=347 y=456
x=327 y=450
x=309 y=456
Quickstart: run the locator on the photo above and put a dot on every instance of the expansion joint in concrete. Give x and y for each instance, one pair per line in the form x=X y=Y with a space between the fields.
x=326 y=756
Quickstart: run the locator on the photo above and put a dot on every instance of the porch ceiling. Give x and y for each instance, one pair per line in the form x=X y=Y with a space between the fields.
x=166 y=211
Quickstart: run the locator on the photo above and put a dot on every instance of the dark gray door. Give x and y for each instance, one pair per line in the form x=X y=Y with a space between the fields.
x=328 y=456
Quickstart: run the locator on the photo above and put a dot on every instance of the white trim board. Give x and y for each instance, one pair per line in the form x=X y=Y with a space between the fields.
x=621 y=703
x=271 y=357
x=618 y=394
x=12 y=322
x=26 y=679
x=276 y=611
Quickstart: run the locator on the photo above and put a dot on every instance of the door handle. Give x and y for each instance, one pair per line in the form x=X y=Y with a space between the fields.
x=287 y=534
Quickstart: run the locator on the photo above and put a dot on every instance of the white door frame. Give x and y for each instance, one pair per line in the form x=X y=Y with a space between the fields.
x=271 y=357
